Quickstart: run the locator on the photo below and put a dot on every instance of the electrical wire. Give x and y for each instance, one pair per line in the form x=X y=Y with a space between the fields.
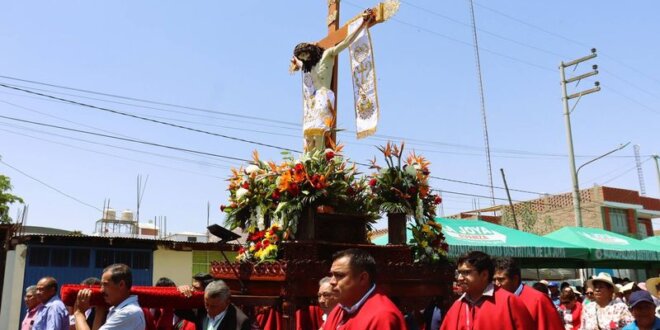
x=49 y=186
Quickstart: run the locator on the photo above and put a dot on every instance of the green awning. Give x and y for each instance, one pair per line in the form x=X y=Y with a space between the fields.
x=470 y=235
x=609 y=249
x=654 y=240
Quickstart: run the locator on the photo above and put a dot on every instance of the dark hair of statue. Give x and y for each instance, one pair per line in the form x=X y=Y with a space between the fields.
x=315 y=53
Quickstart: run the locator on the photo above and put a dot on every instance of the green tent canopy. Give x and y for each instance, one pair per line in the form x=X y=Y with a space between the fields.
x=531 y=250
x=608 y=249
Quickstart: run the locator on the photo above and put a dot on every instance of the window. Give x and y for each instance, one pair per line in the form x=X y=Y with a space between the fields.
x=80 y=258
x=619 y=221
x=192 y=239
x=104 y=258
x=141 y=260
x=59 y=257
x=123 y=257
x=39 y=256
x=641 y=230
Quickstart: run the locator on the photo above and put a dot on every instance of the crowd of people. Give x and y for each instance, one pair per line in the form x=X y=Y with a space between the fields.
x=490 y=294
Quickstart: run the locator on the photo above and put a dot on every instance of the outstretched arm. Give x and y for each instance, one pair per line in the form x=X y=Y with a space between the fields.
x=295 y=65
x=367 y=17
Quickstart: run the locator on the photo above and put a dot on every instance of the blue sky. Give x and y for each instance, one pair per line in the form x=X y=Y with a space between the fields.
x=224 y=64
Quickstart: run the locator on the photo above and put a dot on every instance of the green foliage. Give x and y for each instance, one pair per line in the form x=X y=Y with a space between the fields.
x=6 y=199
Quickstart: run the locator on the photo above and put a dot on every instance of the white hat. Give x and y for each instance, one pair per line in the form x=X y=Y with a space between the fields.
x=651 y=284
x=603 y=277
x=627 y=287
x=575 y=290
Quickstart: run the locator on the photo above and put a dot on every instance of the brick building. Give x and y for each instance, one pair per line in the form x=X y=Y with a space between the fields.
x=619 y=210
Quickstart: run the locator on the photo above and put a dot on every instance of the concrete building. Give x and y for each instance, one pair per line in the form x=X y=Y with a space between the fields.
x=72 y=258
x=618 y=210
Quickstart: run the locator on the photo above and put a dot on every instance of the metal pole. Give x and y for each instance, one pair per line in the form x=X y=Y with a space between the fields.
x=657 y=168
x=508 y=195
x=571 y=154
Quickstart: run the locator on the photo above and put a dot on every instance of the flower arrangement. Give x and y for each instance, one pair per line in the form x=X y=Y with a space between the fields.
x=264 y=194
x=262 y=245
x=403 y=187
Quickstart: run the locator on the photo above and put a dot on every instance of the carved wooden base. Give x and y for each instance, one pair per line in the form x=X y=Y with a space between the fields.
x=292 y=282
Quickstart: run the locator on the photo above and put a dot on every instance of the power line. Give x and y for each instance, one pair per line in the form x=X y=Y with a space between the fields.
x=148 y=119
x=125 y=139
x=114 y=155
x=377 y=136
x=146 y=101
x=49 y=186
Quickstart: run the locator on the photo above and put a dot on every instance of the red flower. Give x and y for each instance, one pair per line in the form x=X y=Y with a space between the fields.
x=222 y=208
x=246 y=185
x=412 y=190
x=299 y=168
x=350 y=191
x=437 y=199
x=372 y=182
x=258 y=246
x=329 y=155
x=293 y=189
x=266 y=243
x=275 y=195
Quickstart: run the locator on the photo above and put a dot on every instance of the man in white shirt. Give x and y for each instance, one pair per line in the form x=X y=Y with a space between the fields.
x=125 y=312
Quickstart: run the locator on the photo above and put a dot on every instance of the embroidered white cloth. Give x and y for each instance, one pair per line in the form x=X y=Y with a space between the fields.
x=364 y=81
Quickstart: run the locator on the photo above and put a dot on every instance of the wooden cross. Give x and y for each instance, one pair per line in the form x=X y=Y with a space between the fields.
x=336 y=34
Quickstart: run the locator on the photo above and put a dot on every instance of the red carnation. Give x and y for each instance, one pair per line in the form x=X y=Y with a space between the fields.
x=275 y=195
x=437 y=199
x=293 y=189
x=412 y=190
x=266 y=243
x=372 y=182
x=299 y=168
x=329 y=155
x=245 y=185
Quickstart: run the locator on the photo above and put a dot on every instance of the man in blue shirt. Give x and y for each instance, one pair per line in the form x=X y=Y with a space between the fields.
x=125 y=312
x=53 y=316
x=642 y=308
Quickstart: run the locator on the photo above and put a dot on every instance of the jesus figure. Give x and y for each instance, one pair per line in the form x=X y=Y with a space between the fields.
x=317 y=65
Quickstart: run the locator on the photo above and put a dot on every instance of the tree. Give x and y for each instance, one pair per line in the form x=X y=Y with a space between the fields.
x=6 y=199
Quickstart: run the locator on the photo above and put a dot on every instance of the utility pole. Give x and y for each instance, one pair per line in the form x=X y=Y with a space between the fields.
x=567 y=117
x=657 y=168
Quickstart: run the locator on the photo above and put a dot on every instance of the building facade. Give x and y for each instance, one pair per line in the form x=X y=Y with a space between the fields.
x=618 y=210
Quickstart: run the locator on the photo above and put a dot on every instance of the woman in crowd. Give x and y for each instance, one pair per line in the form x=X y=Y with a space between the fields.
x=604 y=312
x=570 y=309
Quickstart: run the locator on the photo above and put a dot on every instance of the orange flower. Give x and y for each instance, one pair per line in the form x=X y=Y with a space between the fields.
x=299 y=174
x=285 y=179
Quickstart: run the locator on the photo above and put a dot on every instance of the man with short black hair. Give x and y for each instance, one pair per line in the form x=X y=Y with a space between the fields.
x=540 y=307
x=54 y=315
x=125 y=312
x=483 y=306
x=361 y=306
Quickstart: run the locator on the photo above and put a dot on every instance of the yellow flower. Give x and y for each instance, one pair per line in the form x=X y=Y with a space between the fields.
x=426 y=229
x=423 y=244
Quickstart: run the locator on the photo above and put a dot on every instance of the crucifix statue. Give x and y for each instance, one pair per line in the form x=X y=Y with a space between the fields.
x=318 y=62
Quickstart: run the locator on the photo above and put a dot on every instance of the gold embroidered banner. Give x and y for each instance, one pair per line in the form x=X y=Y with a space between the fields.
x=364 y=82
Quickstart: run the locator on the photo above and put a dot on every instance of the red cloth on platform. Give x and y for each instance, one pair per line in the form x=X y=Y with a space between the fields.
x=501 y=311
x=148 y=296
x=541 y=309
x=378 y=312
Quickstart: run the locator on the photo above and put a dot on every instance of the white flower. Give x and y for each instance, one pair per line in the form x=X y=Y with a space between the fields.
x=241 y=193
x=251 y=169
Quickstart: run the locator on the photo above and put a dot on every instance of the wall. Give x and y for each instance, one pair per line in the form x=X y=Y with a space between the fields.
x=12 y=293
x=177 y=265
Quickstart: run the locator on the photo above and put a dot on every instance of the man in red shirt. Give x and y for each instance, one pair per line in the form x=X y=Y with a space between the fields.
x=483 y=306
x=361 y=306
x=540 y=307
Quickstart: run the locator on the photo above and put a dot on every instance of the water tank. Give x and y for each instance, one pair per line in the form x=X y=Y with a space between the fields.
x=127 y=215
x=110 y=214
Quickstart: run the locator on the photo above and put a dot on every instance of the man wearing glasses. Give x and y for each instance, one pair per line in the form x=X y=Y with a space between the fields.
x=483 y=306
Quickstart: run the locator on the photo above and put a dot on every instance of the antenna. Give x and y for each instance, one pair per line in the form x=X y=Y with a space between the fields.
x=640 y=173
